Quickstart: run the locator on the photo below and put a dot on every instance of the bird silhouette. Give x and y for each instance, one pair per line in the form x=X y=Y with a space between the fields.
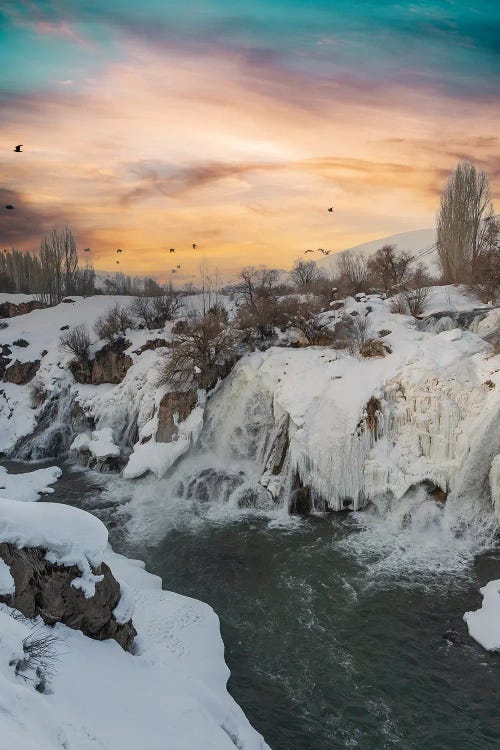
x=172 y=249
x=326 y=252
x=330 y=210
x=194 y=245
x=119 y=251
x=178 y=266
x=18 y=149
x=320 y=250
x=9 y=207
x=308 y=251
x=173 y=270
x=117 y=262
x=86 y=249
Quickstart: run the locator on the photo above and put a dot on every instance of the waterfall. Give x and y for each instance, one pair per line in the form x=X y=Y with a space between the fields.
x=53 y=433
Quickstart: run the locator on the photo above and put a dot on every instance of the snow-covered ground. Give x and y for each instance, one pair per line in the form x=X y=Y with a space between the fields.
x=169 y=695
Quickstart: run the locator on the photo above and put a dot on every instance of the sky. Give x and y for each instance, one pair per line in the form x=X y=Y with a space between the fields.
x=235 y=125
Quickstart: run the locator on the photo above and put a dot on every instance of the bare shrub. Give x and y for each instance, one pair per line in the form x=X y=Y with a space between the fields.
x=359 y=332
x=374 y=348
x=40 y=656
x=302 y=314
x=165 y=307
x=113 y=323
x=398 y=305
x=77 y=341
x=416 y=300
x=142 y=310
x=153 y=312
x=203 y=353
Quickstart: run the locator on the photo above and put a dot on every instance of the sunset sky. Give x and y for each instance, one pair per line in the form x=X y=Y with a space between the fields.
x=156 y=124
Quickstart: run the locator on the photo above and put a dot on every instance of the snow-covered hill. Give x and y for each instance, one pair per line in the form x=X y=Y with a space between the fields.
x=421 y=243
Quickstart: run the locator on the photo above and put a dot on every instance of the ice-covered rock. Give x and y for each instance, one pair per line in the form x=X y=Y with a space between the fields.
x=484 y=623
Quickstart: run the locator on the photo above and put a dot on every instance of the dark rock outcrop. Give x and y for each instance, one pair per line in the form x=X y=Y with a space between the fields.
x=151 y=344
x=44 y=588
x=11 y=309
x=109 y=365
x=300 y=502
x=175 y=403
x=21 y=373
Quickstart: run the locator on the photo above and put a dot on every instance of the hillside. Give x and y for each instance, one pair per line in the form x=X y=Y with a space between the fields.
x=419 y=242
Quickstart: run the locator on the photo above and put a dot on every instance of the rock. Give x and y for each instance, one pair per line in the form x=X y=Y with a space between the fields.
x=20 y=342
x=21 y=373
x=44 y=588
x=110 y=365
x=300 y=502
x=11 y=309
x=176 y=403
x=151 y=344
x=384 y=332
x=452 y=636
x=373 y=411
x=279 y=449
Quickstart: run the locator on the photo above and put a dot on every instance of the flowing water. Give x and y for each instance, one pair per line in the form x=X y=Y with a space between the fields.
x=341 y=631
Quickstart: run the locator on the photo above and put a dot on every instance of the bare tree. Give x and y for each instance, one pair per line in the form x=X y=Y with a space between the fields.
x=143 y=310
x=486 y=271
x=390 y=269
x=352 y=273
x=205 y=351
x=77 y=341
x=465 y=204
x=304 y=273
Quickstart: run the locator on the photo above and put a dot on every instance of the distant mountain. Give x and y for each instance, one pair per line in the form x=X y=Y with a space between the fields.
x=421 y=243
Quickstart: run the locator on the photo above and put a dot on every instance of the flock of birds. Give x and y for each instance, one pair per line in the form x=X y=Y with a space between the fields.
x=18 y=150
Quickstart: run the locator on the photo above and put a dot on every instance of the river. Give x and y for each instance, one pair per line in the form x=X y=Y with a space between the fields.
x=341 y=631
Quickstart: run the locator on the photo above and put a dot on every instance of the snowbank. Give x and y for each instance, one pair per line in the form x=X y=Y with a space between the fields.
x=100 y=443
x=155 y=457
x=27 y=487
x=70 y=536
x=484 y=623
x=171 y=695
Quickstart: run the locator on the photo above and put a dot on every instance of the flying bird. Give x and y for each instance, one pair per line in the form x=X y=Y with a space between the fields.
x=86 y=249
x=326 y=252
x=119 y=251
x=330 y=210
x=117 y=262
x=194 y=245
x=174 y=270
x=172 y=249
x=178 y=266
x=9 y=207
x=308 y=251
x=320 y=250
x=18 y=149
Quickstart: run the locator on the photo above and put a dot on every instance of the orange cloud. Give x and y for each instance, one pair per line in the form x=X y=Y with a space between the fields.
x=163 y=149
